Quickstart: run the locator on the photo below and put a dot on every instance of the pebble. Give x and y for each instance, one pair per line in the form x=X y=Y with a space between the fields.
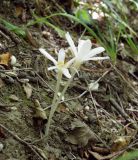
x=1 y=146
x=13 y=98
x=13 y=60
x=87 y=108
x=93 y=86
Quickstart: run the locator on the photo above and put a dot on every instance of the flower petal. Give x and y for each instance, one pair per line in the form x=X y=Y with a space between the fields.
x=84 y=47
x=66 y=72
x=47 y=55
x=51 y=68
x=94 y=52
x=98 y=58
x=71 y=43
x=61 y=55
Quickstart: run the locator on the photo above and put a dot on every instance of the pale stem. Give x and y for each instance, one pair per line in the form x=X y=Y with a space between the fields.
x=55 y=103
x=59 y=77
x=76 y=66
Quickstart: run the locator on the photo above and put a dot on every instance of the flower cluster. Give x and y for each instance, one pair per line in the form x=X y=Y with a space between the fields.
x=81 y=54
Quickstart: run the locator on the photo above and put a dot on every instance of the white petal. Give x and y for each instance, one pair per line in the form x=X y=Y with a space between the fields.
x=71 y=43
x=47 y=55
x=94 y=52
x=84 y=47
x=66 y=72
x=61 y=55
x=51 y=68
x=98 y=58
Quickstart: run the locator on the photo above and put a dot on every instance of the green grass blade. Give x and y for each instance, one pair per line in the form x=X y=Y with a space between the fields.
x=17 y=30
x=129 y=156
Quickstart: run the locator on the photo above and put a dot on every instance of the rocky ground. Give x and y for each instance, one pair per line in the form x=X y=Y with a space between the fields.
x=96 y=124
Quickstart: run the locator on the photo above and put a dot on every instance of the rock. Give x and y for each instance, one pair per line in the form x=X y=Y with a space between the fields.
x=1 y=146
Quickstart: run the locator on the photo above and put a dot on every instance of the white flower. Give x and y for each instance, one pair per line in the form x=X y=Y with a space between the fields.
x=59 y=65
x=84 y=52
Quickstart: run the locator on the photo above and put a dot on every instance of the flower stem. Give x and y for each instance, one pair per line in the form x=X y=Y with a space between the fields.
x=59 y=77
x=55 y=103
x=65 y=88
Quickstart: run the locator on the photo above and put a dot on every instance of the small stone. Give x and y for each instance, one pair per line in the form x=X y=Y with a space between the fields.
x=87 y=108
x=134 y=83
x=93 y=86
x=67 y=109
x=1 y=146
x=13 y=60
x=46 y=34
x=14 y=98
x=85 y=118
x=14 y=108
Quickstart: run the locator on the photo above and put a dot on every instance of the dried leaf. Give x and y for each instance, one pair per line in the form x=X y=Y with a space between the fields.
x=101 y=150
x=31 y=40
x=39 y=111
x=81 y=134
x=40 y=118
x=18 y=11
x=5 y=58
x=120 y=143
x=28 y=90
x=63 y=108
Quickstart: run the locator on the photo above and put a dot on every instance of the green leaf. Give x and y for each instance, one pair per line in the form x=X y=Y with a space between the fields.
x=17 y=30
x=129 y=156
x=39 y=20
x=84 y=16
